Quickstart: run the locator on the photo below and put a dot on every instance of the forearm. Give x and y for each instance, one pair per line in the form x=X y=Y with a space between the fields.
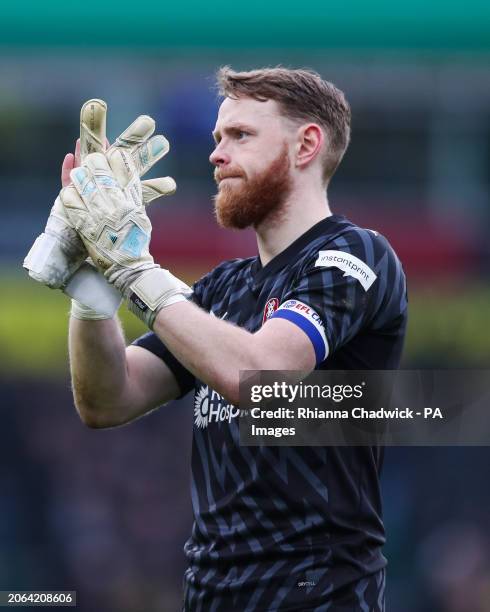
x=213 y=350
x=98 y=367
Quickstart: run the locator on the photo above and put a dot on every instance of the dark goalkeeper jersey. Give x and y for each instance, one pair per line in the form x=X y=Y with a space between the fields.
x=292 y=528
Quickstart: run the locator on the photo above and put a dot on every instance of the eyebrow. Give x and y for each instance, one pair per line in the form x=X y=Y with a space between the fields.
x=232 y=129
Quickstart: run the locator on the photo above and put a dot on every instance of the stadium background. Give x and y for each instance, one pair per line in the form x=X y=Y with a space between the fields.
x=106 y=512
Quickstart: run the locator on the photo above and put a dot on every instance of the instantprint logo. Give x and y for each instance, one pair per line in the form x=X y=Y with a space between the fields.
x=349 y=264
x=271 y=306
x=211 y=407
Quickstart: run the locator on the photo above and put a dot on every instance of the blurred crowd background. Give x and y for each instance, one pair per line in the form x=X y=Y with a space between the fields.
x=106 y=513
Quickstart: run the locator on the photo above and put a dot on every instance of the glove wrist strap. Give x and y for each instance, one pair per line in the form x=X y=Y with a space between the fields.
x=154 y=290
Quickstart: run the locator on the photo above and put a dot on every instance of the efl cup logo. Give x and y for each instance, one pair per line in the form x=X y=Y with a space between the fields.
x=270 y=308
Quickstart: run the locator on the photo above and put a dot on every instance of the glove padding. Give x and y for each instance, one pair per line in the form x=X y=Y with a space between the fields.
x=58 y=253
x=105 y=206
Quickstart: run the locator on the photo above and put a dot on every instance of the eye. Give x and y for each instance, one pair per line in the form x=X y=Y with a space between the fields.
x=240 y=134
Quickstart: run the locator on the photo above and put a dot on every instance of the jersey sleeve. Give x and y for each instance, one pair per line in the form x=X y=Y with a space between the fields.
x=329 y=301
x=151 y=342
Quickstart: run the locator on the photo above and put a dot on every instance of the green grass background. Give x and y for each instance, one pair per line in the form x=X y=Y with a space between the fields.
x=448 y=327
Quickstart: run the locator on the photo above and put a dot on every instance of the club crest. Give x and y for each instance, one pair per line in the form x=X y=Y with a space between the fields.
x=271 y=306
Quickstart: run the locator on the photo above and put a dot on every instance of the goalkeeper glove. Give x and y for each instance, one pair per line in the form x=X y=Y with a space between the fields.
x=105 y=206
x=58 y=253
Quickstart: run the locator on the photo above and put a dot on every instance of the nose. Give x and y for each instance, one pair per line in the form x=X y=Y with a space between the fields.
x=219 y=157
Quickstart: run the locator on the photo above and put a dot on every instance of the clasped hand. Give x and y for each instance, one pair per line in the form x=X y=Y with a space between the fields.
x=104 y=205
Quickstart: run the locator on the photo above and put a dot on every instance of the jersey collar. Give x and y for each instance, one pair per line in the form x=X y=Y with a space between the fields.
x=325 y=226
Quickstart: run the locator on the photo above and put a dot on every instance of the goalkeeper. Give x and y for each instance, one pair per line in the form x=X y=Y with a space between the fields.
x=276 y=529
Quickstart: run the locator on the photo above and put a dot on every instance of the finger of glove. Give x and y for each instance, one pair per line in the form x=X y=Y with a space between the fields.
x=73 y=204
x=146 y=155
x=156 y=188
x=108 y=193
x=137 y=133
x=90 y=188
x=58 y=212
x=93 y=127
x=98 y=166
x=122 y=166
x=70 y=198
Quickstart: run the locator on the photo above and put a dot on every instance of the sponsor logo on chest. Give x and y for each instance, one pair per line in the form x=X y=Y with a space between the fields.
x=211 y=407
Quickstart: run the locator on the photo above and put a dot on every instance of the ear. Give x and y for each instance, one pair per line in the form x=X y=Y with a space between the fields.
x=310 y=139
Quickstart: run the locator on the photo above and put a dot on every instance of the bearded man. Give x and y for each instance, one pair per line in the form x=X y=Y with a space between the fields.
x=276 y=528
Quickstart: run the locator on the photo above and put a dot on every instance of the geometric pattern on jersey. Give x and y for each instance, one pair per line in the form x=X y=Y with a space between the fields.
x=292 y=528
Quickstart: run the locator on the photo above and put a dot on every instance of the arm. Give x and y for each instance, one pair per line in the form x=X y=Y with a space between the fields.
x=215 y=351
x=109 y=386
x=107 y=187
x=113 y=384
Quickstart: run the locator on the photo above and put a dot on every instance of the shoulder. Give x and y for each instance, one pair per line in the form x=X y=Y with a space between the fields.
x=225 y=273
x=350 y=246
x=349 y=256
x=226 y=270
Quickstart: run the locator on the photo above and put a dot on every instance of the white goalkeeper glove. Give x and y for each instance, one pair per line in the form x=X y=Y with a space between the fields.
x=57 y=257
x=105 y=206
x=58 y=252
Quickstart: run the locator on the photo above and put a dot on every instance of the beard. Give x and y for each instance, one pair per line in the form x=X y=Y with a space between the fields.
x=252 y=200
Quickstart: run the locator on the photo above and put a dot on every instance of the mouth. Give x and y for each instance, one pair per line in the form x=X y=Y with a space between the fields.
x=227 y=178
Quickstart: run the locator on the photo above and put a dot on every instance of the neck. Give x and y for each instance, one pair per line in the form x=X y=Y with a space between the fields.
x=294 y=219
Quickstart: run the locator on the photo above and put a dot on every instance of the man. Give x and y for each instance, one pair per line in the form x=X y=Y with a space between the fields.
x=275 y=528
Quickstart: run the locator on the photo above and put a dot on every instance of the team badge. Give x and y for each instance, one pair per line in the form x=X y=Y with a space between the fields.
x=270 y=308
